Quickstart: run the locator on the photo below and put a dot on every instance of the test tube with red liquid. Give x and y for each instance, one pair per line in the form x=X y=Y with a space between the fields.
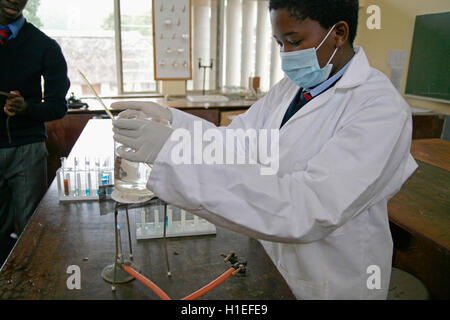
x=65 y=177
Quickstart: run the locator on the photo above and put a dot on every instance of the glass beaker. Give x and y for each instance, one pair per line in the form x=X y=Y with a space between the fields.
x=131 y=177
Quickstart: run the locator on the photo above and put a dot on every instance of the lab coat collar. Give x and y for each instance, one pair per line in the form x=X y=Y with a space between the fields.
x=358 y=71
x=356 y=74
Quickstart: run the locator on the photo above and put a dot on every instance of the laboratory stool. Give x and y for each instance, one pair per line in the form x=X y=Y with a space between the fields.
x=404 y=286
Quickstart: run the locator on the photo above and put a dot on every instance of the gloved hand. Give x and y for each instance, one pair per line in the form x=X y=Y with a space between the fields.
x=145 y=137
x=142 y=110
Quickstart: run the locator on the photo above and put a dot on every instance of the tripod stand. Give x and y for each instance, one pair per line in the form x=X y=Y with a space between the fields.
x=114 y=273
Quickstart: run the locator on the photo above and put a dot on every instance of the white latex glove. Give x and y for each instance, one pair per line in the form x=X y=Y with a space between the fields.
x=145 y=137
x=142 y=110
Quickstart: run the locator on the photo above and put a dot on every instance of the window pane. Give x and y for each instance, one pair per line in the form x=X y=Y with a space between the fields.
x=137 y=46
x=85 y=31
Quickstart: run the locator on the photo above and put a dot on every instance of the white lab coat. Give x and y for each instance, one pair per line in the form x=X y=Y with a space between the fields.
x=323 y=218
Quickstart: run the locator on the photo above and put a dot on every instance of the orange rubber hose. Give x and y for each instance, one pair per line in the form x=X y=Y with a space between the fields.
x=210 y=286
x=147 y=282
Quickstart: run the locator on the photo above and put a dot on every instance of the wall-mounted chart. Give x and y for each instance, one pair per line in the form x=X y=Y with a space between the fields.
x=172 y=39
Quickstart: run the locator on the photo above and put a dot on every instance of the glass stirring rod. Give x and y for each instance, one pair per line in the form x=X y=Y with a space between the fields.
x=96 y=95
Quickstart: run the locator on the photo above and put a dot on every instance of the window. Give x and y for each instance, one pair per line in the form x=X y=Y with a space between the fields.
x=80 y=28
x=136 y=37
x=111 y=42
x=88 y=34
x=237 y=35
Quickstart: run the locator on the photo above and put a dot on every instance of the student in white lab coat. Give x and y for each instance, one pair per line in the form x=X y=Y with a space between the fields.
x=344 y=151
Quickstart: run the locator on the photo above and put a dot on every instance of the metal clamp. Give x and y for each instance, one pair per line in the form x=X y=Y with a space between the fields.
x=240 y=267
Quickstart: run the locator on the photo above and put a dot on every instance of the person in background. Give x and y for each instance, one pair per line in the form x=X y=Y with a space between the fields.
x=26 y=55
x=344 y=151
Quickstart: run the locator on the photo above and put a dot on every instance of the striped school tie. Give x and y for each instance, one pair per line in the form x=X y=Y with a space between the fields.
x=5 y=32
x=305 y=97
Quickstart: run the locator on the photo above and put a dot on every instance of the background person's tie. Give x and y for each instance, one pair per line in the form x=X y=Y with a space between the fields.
x=5 y=32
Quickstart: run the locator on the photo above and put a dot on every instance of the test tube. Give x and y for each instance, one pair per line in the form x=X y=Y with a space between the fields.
x=58 y=181
x=169 y=216
x=99 y=174
x=183 y=219
x=67 y=185
x=87 y=167
x=63 y=165
x=156 y=213
x=77 y=191
x=65 y=180
x=195 y=221
x=143 y=222
x=106 y=179
x=76 y=176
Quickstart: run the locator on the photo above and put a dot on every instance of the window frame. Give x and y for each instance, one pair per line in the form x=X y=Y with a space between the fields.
x=119 y=59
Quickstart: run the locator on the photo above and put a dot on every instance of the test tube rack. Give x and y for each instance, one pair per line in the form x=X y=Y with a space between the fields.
x=179 y=223
x=81 y=185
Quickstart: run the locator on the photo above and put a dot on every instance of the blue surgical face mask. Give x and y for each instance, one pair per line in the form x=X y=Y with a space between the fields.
x=303 y=68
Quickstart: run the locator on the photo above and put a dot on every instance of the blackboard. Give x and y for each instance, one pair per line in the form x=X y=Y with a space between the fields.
x=429 y=65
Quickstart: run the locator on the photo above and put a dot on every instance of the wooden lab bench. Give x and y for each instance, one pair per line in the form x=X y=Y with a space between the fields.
x=63 y=234
x=420 y=218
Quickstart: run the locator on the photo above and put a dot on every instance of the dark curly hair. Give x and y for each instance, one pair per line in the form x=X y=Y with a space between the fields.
x=326 y=12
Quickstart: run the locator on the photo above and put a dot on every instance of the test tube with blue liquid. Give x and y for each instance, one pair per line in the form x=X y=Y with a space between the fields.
x=87 y=167
x=99 y=174
x=106 y=175
x=169 y=217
